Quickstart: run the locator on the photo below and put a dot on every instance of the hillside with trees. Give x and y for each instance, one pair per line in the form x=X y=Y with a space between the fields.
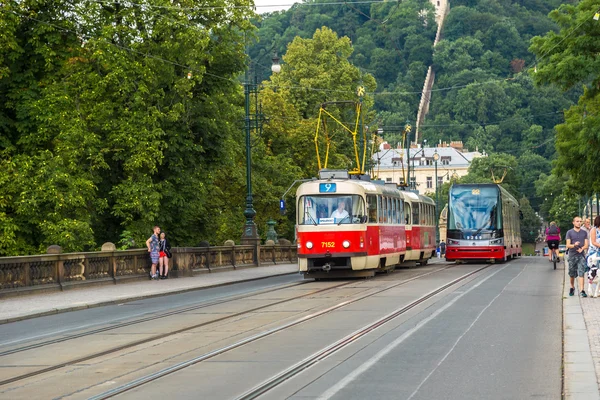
x=485 y=94
x=119 y=116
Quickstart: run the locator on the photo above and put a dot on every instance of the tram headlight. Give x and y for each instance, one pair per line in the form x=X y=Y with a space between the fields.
x=450 y=241
x=309 y=245
x=497 y=241
x=346 y=244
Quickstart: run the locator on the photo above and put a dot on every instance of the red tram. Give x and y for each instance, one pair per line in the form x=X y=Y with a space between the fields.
x=352 y=226
x=483 y=223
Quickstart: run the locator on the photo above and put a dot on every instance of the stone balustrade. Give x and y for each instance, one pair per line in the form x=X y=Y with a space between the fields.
x=58 y=271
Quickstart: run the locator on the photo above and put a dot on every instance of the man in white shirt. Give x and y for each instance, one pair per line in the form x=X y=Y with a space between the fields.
x=340 y=213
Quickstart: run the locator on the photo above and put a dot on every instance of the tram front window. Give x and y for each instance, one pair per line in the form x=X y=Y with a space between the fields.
x=474 y=209
x=328 y=209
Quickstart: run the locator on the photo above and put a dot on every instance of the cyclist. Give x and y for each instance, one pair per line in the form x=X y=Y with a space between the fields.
x=553 y=239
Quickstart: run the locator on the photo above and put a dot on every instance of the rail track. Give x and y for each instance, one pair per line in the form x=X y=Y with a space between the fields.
x=250 y=339
x=149 y=318
x=306 y=363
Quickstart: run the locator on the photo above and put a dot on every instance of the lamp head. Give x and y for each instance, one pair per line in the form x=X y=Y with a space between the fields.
x=276 y=67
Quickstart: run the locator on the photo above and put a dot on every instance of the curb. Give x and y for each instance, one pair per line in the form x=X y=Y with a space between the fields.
x=579 y=372
x=128 y=299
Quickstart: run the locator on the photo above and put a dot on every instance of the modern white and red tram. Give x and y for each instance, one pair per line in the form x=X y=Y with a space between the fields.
x=483 y=223
x=352 y=226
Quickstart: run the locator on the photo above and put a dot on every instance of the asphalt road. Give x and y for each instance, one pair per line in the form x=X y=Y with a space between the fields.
x=496 y=335
x=497 y=339
x=23 y=332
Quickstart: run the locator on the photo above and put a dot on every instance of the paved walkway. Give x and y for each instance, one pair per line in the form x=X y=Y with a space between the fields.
x=23 y=307
x=581 y=323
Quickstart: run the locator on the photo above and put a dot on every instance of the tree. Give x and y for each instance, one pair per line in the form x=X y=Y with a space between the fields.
x=568 y=59
x=126 y=115
x=530 y=224
x=495 y=166
x=316 y=71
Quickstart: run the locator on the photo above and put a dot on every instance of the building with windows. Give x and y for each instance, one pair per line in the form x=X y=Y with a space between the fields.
x=389 y=164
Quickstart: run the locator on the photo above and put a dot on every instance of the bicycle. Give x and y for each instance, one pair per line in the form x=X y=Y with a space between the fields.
x=554 y=259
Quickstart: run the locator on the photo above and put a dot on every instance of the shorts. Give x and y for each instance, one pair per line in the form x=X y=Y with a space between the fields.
x=577 y=266
x=162 y=254
x=553 y=244
x=154 y=257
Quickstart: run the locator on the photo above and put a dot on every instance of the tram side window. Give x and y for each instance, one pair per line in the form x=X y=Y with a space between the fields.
x=372 y=200
x=415 y=214
x=358 y=211
x=390 y=211
x=407 y=213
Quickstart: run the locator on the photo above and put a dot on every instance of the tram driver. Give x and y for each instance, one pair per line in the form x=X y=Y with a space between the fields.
x=339 y=214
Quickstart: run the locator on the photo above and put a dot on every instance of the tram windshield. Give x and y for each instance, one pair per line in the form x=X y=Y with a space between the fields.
x=476 y=209
x=331 y=209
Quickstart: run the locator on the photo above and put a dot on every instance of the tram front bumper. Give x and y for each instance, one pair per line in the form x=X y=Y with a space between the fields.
x=475 y=253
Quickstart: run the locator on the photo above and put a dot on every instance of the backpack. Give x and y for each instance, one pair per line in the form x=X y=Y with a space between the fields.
x=553 y=230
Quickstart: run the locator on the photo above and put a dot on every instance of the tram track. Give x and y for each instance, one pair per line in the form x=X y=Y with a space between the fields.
x=205 y=323
x=257 y=391
x=148 y=318
x=161 y=335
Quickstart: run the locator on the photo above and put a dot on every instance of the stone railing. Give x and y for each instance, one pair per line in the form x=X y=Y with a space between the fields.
x=50 y=272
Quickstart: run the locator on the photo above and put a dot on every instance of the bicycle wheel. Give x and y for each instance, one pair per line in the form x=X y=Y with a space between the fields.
x=554 y=259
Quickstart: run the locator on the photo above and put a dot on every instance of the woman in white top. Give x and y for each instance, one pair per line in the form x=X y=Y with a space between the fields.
x=594 y=250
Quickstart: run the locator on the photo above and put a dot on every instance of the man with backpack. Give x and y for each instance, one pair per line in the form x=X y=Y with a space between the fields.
x=553 y=240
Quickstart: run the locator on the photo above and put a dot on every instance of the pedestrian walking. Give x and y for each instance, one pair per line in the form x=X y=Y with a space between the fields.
x=153 y=248
x=164 y=255
x=594 y=240
x=586 y=226
x=443 y=248
x=577 y=243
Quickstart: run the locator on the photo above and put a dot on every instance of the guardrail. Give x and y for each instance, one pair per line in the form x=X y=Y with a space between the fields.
x=52 y=272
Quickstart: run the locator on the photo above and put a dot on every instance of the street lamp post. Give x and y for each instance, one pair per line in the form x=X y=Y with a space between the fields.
x=250 y=235
x=436 y=157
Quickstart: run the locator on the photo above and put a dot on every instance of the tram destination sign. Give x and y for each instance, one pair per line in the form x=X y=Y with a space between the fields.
x=327 y=187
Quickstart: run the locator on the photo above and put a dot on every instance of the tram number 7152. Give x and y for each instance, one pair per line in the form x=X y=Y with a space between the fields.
x=327 y=244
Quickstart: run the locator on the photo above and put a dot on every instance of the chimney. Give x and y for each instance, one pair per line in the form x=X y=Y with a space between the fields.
x=458 y=145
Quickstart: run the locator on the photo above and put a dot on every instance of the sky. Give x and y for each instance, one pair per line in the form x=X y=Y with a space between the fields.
x=263 y=6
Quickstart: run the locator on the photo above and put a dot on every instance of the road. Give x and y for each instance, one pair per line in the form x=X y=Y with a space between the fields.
x=472 y=331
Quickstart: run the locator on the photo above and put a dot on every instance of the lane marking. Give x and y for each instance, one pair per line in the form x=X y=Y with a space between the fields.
x=463 y=334
x=385 y=351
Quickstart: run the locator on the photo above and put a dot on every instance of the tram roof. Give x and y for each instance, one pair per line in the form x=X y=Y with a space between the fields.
x=368 y=186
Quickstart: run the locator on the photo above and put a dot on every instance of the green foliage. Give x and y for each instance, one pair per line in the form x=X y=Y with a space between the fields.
x=531 y=223
x=567 y=59
x=116 y=118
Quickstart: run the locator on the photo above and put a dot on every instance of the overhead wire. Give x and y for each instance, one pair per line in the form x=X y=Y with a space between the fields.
x=249 y=6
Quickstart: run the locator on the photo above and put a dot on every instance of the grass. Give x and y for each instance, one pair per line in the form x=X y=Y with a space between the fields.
x=528 y=249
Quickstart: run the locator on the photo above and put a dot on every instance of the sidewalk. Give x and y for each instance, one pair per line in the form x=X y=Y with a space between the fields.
x=23 y=307
x=581 y=341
